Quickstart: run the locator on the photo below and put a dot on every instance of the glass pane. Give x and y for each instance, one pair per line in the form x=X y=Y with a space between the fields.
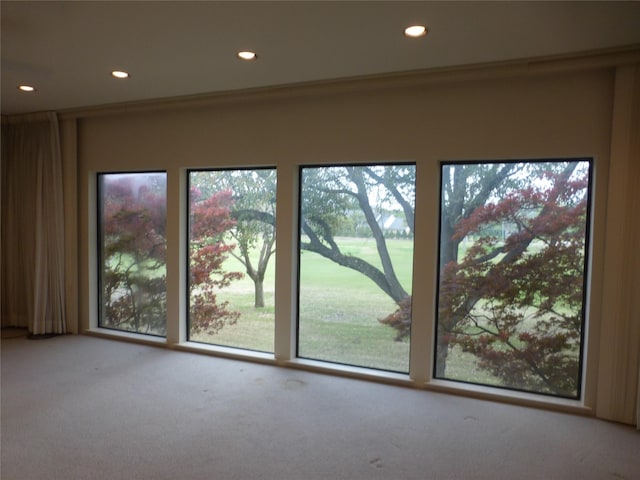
x=356 y=264
x=132 y=242
x=231 y=257
x=512 y=274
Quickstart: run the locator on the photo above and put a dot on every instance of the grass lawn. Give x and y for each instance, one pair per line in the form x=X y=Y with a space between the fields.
x=339 y=311
x=254 y=330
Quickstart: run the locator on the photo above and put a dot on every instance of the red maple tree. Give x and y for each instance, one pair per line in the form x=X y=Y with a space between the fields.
x=133 y=254
x=516 y=302
x=210 y=220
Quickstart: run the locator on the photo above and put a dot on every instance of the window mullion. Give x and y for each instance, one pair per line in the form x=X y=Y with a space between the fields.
x=286 y=262
x=176 y=256
x=424 y=272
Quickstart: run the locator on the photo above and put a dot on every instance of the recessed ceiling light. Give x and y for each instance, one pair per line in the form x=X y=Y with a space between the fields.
x=247 y=55
x=415 y=31
x=26 y=88
x=119 y=74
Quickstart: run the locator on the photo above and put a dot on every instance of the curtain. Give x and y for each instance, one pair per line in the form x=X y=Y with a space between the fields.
x=32 y=225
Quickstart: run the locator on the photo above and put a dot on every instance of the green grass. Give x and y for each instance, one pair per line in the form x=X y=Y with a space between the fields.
x=339 y=314
x=255 y=328
x=462 y=366
x=339 y=309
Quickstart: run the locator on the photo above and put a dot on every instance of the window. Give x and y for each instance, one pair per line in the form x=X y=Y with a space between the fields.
x=355 y=261
x=132 y=252
x=511 y=299
x=511 y=290
x=231 y=248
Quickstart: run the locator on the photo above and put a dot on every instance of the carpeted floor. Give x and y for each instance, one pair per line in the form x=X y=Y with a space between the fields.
x=78 y=407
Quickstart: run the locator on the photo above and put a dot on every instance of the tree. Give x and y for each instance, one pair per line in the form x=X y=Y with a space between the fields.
x=464 y=189
x=253 y=210
x=133 y=253
x=330 y=193
x=331 y=197
x=511 y=257
x=210 y=220
x=515 y=301
x=487 y=298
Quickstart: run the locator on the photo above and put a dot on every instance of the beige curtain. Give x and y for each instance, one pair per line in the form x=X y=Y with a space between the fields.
x=32 y=228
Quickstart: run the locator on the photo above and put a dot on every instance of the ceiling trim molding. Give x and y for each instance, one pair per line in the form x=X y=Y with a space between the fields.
x=592 y=60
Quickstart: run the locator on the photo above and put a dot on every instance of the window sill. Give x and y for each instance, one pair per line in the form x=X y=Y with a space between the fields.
x=227 y=352
x=127 y=336
x=359 y=373
x=349 y=371
x=509 y=396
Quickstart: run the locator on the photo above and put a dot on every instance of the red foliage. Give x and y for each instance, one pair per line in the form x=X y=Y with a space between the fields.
x=516 y=303
x=133 y=255
x=210 y=220
x=400 y=319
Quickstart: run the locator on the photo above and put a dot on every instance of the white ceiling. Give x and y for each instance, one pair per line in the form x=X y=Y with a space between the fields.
x=174 y=48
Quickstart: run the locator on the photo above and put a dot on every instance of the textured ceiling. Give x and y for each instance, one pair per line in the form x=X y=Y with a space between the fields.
x=174 y=48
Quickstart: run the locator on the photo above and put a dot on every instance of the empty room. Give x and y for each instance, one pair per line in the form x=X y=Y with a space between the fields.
x=320 y=240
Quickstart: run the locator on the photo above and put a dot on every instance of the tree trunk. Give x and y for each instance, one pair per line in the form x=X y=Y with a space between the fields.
x=457 y=208
x=355 y=263
x=449 y=253
x=442 y=351
x=259 y=293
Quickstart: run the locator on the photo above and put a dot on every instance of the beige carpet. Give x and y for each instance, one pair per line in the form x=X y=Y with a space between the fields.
x=78 y=407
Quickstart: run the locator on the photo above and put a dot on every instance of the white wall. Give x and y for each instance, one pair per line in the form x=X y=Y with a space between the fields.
x=480 y=114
